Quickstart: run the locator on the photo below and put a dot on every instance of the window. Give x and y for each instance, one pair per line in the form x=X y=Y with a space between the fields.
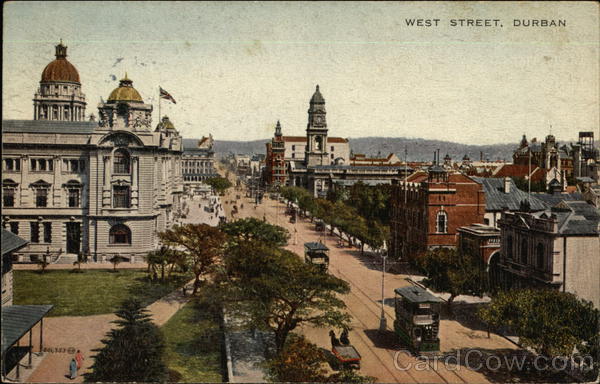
x=119 y=234
x=47 y=232
x=523 y=255
x=12 y=164
x=73 y=197
x=66 y=110
x=442 y=222
x=539 y=253
x=55 y=110
x=35 y=232
x=121 y=196
x=8 y=197
x=8 y=193
x=41 y=165
x=41 y=197
x=293 y=147
x=121 y=161
x=293 y=155
x=332 y=148
x=14 y=227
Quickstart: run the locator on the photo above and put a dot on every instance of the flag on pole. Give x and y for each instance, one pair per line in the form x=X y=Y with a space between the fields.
x=166 y=95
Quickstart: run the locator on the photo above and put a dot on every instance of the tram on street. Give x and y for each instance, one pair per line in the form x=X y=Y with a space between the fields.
x=417 y=321
x=317 y=254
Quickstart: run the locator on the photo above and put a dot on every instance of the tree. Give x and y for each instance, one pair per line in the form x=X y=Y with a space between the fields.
x=133 y=351
x=449 y=271
x=254 y=229
x=116 y=260
x=158 y=258
x=303 y=361
x=220 y=184
x=81 y=258
x=552 y=323
x=299 y=361
x=200 y=243
x=274 y=290
x=44 y=263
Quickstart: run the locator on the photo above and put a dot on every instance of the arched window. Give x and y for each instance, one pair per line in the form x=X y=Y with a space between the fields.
x=539 y=256
x=121 y=161
x=509 y=247
x=524 y=251
x=120 y=234
x=442 y=222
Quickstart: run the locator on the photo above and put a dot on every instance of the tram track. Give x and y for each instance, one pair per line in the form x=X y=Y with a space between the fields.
x=368 y=303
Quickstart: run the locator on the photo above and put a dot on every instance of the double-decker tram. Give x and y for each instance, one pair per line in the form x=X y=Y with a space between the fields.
x=417 y=321
x=317 y=254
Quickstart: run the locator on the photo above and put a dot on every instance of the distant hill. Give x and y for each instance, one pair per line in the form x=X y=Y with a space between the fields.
x=422 y=150
x=418 y=149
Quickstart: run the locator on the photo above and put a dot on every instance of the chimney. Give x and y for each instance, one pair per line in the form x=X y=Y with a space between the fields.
x=507 y=185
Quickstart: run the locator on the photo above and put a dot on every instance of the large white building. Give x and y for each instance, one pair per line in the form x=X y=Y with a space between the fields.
x=101 y=187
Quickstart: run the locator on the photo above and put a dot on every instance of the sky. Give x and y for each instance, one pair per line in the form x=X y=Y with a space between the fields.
x=236 y=68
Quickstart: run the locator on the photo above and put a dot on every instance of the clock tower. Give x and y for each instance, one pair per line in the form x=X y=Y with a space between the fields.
x=316 y=132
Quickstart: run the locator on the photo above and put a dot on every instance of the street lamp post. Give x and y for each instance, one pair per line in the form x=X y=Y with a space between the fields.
x=383 y=320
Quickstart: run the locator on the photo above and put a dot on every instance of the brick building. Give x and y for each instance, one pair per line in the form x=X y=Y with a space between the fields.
x=275 y=159
x=429 y=207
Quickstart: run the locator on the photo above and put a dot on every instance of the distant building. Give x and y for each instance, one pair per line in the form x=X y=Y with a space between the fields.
x=326 y=159
x=198 y=163
x=360 y=159
x=555 y=248
x=428 y=209
x=586 y=157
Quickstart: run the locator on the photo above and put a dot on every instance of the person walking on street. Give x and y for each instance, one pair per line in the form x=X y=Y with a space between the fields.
x=79 y=359
x=72 y=369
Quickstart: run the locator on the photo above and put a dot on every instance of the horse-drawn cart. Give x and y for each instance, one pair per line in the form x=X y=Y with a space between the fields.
x=347 y=356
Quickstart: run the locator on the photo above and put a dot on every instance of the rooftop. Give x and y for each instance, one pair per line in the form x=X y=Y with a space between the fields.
x=11 y=242
x=497 y=200
x=47 y=126
x=18 y=320
x=417 y=294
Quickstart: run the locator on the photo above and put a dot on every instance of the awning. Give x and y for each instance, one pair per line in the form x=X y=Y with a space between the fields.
x=17 y=320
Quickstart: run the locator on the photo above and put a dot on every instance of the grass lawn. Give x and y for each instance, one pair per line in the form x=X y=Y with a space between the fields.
x=92 y=292
x=193 y=343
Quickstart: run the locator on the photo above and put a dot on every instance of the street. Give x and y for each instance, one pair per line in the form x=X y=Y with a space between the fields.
x=363 y=273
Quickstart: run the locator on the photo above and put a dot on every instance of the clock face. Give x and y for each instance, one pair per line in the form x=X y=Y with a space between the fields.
x=319 y=119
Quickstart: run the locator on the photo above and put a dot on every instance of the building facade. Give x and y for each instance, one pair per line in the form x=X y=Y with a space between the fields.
x=102 y=188
x=326 y=159
x=429 y=208
x=197 y=163
x=556 y=248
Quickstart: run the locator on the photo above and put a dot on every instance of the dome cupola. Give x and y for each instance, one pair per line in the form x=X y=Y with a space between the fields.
x=60 y=69
x=125 y=92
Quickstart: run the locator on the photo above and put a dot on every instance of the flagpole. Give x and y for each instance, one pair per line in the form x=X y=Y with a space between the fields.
x=159 y=98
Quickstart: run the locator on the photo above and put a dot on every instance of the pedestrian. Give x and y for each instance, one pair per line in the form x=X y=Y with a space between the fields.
x=79 y=358
x=72 y=369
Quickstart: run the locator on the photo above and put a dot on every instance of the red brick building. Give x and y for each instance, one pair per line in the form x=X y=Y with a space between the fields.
x=428 y=209
x=275 y=159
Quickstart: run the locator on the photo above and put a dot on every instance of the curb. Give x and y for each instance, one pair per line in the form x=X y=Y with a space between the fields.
x=229 y=362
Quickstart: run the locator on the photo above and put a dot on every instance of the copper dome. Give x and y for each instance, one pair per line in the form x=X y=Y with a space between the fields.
x=60 y=69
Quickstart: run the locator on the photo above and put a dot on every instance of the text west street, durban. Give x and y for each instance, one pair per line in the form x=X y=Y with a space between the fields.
x=494 y=23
